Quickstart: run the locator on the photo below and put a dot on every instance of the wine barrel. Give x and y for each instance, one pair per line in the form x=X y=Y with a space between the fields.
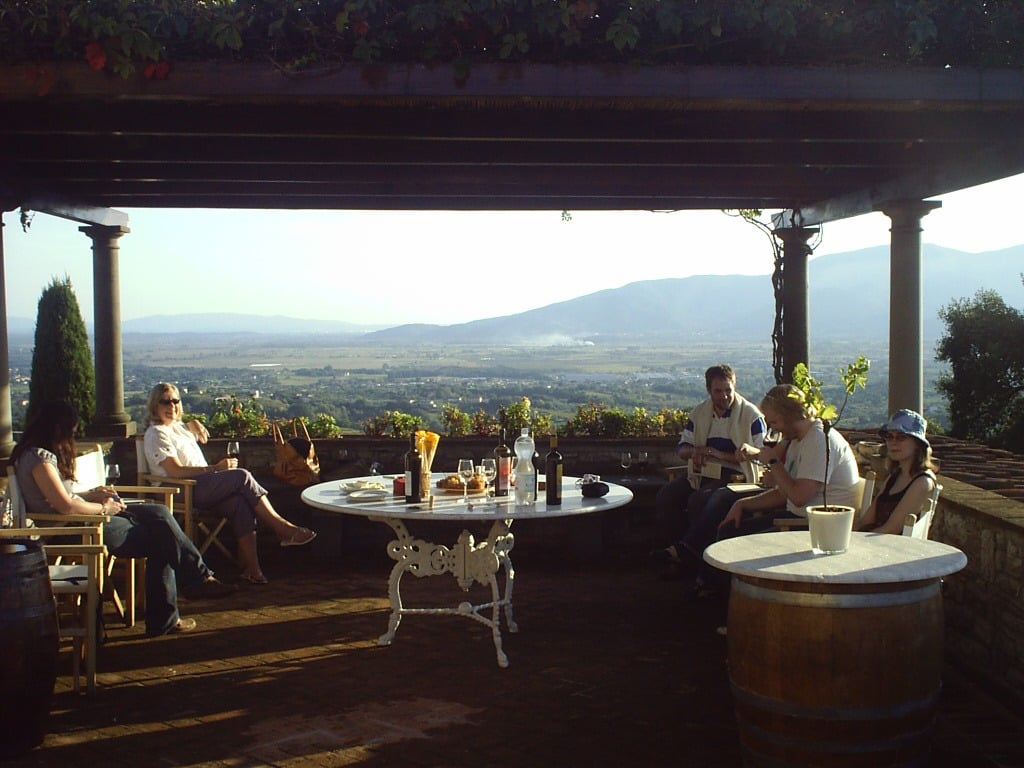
x=836 y=675
x=29 y=643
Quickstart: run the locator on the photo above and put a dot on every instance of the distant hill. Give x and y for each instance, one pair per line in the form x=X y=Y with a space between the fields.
x=849 y=300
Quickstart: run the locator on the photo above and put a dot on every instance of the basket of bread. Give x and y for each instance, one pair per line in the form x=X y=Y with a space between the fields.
x=454 y=483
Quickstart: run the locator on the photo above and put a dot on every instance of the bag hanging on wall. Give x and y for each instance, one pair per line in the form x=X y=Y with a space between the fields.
x=295 y=459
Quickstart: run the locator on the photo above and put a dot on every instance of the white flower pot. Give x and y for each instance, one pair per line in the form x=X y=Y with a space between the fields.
x=830 y=528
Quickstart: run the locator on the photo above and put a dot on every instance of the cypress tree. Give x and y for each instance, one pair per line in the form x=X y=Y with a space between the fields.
x=61 y=361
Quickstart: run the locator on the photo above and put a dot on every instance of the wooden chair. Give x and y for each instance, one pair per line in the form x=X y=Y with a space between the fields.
x=203 y=528
x=918 y=526
x=76 y=575
x=865 y=495
x=91 y=472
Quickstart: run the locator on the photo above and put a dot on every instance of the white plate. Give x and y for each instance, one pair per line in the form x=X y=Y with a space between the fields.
x=367 y=494
x=362 y=485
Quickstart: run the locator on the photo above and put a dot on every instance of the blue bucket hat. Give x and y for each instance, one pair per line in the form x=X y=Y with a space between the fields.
x=909 y=423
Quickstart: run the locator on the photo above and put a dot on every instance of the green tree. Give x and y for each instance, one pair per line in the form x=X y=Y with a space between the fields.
x=62 y=366
x=985 y=391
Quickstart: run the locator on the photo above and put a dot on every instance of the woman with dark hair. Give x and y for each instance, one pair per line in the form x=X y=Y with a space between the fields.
x=172 y=450
x=44 y=460
x=911 y=474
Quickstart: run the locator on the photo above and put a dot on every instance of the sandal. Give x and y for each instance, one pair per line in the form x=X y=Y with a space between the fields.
x=260 y=579
x=300 y=537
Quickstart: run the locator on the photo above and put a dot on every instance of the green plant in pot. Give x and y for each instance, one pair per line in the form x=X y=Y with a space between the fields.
x=830 y=525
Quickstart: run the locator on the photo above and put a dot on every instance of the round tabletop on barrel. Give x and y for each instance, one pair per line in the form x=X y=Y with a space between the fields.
x=872 y=558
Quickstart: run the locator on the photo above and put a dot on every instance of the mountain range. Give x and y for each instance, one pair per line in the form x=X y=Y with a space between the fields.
x=849 y=301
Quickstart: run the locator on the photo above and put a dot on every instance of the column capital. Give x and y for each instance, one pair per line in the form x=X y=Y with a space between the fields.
x=908 y=209
x=101 y=230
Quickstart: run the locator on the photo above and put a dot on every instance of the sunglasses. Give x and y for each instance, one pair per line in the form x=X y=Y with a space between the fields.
x=170 y=401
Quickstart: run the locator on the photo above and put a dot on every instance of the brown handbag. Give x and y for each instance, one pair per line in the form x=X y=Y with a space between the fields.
x=295 y=459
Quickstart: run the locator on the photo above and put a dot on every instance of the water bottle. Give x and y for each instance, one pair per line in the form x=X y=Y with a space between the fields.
x=526 y=474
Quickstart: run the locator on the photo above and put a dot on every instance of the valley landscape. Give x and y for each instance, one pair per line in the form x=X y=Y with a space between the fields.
x=643 y=345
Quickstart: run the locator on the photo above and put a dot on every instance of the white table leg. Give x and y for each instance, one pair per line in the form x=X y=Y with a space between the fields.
x=468 y=561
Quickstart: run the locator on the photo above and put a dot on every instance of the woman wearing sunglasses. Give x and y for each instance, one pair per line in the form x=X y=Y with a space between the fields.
x=911 y=473
x=173 y=450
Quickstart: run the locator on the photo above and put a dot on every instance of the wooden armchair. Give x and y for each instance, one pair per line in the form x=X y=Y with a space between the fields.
x=865 y=495
x=204 y=529
x=917 y=526
x=76 y=575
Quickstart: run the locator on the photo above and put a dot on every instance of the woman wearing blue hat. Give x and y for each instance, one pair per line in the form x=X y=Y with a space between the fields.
x=911 y=474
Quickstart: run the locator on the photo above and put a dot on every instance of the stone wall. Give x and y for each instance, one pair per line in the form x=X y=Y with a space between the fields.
x=985 y=602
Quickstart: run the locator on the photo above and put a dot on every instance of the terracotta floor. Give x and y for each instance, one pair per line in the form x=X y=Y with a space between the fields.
x=610 y=668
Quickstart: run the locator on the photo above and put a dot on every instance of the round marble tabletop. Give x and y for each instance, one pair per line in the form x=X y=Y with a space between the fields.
x=333 y=497
x=873 y=558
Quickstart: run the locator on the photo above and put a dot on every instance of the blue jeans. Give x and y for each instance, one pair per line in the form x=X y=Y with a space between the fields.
x=704 y=531
x=150 y=531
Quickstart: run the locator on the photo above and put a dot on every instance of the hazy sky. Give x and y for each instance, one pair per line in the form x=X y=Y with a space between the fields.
x=434 y=267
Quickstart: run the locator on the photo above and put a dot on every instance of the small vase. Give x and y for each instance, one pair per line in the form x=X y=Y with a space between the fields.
x=830 y=528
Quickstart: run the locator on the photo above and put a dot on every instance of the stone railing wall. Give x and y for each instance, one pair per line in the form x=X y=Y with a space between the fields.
x=984 y=603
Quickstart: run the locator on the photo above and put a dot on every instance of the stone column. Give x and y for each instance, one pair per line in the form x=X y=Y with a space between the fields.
x=110 y=419
x=906 y=317
x=6 y=423
x=795 y=304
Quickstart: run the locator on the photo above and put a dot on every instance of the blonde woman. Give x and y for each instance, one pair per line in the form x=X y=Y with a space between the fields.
x=911 y=473
x=796 y=473
x=173 y=450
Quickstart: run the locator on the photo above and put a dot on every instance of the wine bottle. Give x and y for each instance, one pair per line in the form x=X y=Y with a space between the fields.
x=412 y=472
x=553 y=474
x=503 y=461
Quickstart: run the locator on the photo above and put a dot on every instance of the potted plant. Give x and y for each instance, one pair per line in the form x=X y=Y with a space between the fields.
x=830 y=525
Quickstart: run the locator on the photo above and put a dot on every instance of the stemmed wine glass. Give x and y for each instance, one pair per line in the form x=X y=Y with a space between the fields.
x=490 y=471
x=465 y=475
x=113 y=474
x=626 y=461
x=232 y=450
x=641 y=460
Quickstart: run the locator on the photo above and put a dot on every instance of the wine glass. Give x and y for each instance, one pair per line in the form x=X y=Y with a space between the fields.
x=113 y=474
x=641 y=460
x=490 y=471
x=232 y=450
x=626 y=461
x=465 y=475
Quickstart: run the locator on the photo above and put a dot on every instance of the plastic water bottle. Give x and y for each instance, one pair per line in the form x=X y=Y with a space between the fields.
x=526 y=479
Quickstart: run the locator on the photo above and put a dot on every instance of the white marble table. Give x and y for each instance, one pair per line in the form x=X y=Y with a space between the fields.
x=873 y=558
x=835 y=659
x=468 y=560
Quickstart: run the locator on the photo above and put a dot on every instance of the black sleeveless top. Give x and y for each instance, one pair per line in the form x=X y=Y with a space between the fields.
x=887 y=501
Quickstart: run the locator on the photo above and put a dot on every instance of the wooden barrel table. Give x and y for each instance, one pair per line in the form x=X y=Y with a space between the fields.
x=835 y=660
x=28 y=646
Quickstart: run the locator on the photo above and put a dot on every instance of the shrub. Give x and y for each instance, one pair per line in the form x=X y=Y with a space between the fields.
x=232 y=417
x=61 y=361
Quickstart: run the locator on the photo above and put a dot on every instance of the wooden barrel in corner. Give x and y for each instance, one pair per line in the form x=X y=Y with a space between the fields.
x=29 y=642
x=836 y=675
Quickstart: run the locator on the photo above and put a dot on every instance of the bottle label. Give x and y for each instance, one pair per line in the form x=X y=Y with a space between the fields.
x=501 y=480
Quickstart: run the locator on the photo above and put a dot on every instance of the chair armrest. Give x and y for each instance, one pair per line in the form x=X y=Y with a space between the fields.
x=180 y=481
x=42 y=532
x=674 y=471
x=790 y=523
x=67 y=550
x=74 y=517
